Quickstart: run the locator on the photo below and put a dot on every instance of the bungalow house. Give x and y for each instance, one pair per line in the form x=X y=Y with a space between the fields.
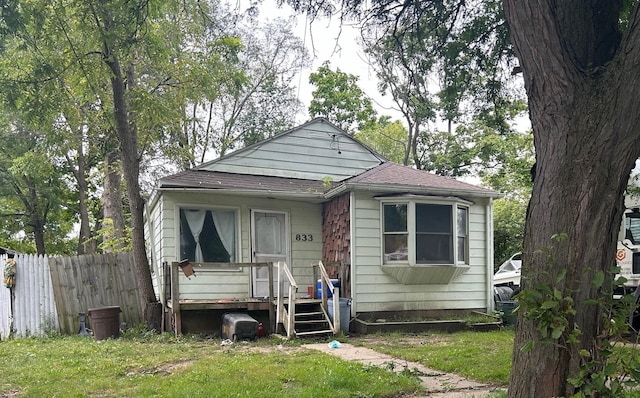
x=399 y=240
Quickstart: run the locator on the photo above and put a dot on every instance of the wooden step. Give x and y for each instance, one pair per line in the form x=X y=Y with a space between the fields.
x=311 y=322
x=314 y=332
x=301 y=314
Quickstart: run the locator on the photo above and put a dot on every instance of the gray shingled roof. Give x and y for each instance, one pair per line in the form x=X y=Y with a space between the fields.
x=203 y=179
x=388 y=175
x=392 y=174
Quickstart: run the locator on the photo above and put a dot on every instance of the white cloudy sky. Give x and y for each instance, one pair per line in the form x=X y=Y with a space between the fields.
x=326 y=41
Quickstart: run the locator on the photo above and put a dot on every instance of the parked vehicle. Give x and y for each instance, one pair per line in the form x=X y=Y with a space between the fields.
x=628 y=252
x=509 y=271
x=506 y=283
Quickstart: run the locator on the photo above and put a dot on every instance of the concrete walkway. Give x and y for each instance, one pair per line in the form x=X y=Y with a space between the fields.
x=438 y=384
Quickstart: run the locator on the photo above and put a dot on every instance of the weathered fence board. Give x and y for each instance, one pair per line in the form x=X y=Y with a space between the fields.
x=50 y=292
x=93 y=281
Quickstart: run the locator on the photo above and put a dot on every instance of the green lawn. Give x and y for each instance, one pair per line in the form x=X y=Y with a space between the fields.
x=162 y=366
x=482 y=356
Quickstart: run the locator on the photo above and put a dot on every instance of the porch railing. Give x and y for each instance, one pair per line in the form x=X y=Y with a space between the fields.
x=325 y=282
x=286 y=315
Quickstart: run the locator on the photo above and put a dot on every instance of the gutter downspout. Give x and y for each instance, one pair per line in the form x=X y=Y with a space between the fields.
x=353 y=273
x=489 y=255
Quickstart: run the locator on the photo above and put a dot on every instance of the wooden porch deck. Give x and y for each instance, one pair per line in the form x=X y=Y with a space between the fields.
x=250 y=304
x=176 y=305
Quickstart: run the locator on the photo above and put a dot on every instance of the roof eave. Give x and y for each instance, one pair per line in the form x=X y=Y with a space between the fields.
x=410 y=188
x=312 y=196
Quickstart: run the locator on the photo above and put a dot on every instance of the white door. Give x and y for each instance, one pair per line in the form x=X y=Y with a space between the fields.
x=269 y=242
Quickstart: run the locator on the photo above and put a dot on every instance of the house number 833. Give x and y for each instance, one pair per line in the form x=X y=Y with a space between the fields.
x=304 y=237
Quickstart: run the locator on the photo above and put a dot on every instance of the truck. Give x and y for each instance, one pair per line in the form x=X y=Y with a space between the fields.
x=628 y=255
x=628 y=250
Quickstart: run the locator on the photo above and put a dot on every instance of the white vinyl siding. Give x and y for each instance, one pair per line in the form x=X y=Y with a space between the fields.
x=375 y=290
x=305 y=219
x=315 y=151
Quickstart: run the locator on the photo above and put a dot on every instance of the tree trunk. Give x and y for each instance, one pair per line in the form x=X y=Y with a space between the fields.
x=113 y=216
x=131 y=167
x=130 y=158
x=583 y=110
x=86 y=245
x=37 y=216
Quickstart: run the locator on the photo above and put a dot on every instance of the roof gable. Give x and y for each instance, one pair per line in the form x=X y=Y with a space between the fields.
x=316 y=150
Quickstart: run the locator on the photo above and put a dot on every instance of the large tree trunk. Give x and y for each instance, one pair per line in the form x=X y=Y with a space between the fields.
x=130 y=158
x=113 y=216
x=583 y=108
x=131 y=167
x=37 y=216
x=86 y=245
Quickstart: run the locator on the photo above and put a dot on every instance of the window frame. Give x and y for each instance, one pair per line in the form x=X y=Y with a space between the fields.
x=237 y=226
x=454 y=204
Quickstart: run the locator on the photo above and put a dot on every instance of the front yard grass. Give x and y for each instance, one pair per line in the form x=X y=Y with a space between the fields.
x=162 y=366
x=481 y=356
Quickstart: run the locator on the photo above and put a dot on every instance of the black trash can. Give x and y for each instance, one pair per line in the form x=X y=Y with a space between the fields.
x=508 y=307
x=105 y=322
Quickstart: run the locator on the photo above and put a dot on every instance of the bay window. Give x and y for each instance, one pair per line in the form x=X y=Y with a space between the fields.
x=422 y=233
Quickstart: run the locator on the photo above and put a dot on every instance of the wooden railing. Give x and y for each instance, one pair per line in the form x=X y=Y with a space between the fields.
x=325 y=282
x=287 y=315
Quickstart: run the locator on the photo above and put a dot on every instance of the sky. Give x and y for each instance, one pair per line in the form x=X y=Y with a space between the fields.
x=326 y=40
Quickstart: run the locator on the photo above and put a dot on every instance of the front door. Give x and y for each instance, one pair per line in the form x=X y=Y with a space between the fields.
x=269 y=242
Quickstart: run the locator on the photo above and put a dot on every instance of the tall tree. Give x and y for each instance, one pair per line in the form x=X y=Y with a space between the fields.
x=579 y=63
x=441 y=61
x=388 y=138
x=34 y=197
x=582 y=111
x=244 y=94
x=338 y=97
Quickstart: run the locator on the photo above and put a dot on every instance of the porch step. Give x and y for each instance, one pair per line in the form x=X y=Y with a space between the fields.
x=314 y=333
x=310 y=320
x=310 y=314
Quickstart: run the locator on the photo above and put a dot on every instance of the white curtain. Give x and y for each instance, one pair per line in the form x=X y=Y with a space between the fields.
x=225 y=225
x=195 y=219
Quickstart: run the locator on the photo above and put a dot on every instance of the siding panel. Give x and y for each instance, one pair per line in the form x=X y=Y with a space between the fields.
x=313 y=151
x=377 y=291
x=304 y=218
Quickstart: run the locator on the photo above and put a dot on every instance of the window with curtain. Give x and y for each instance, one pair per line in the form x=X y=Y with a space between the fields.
x=208 y=235
x=422 y=233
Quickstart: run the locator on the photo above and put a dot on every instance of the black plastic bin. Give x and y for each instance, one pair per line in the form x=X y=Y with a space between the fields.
x=239 y=326
x=105 y=322
x=507 y=307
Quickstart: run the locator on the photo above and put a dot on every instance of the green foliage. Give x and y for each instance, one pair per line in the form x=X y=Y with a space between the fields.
x=547 y=306
x=445 y=61
x=509 y=217
x=612 y=369
x=338 y=98
x=387 y=138
x=37 y=207
x=109 y=239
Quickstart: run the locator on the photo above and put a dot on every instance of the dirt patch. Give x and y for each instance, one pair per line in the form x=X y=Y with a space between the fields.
x=165 y=369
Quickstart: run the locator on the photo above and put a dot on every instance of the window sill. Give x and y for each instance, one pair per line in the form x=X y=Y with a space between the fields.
x=425 y=274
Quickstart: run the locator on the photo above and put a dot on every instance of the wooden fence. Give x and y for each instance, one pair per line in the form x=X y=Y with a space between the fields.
x=51 y=292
